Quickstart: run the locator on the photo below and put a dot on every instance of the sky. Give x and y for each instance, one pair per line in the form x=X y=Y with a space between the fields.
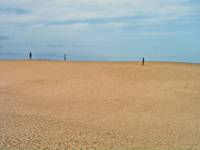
x=101 y=30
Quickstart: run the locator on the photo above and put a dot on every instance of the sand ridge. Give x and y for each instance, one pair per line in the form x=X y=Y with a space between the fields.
x=102 y=105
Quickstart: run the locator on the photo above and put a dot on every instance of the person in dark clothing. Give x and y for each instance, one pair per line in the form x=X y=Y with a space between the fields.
x=30 y=55
x=65 y=57
x=143 y=61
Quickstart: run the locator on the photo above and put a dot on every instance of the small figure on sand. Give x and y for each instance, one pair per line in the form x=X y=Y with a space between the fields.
x=65 y=57
x=30 y=55
x=143 y=61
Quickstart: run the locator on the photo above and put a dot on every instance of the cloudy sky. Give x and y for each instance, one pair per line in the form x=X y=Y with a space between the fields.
x=167 y=30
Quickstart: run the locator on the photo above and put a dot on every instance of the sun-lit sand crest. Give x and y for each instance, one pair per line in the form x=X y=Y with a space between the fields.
x=88 y=105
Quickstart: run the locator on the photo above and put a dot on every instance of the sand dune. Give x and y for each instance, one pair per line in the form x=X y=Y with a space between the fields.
x=88 y=105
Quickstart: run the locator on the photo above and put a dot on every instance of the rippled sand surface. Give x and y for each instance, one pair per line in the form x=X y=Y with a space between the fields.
x=90 y=105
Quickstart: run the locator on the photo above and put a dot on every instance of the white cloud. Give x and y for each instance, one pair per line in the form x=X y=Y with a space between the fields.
x=61 y=10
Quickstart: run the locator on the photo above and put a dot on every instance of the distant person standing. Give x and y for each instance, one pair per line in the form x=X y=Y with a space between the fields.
x=30 y=55
x=65 y=57
x=143 y=61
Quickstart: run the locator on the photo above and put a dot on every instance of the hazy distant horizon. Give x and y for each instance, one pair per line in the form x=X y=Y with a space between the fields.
x=85 y=57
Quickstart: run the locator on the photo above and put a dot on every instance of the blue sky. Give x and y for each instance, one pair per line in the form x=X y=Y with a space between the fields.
x=107 y=30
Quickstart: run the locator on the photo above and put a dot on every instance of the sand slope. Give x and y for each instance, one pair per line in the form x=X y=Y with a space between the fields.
x=57 y=105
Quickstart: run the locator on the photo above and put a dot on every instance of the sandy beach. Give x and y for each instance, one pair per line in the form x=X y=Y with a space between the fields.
x=99 y=105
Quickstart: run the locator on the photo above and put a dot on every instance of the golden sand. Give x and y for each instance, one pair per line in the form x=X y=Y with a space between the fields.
x=88 y=105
